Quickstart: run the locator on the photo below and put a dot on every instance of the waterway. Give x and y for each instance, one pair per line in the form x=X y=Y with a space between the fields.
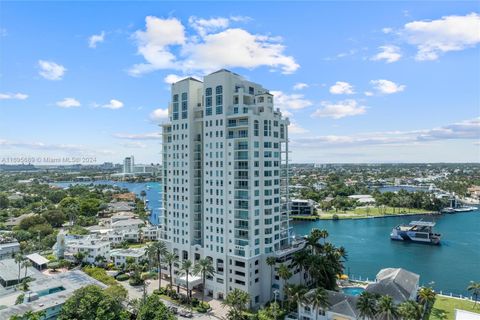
x=153 y=190
x=450 y=266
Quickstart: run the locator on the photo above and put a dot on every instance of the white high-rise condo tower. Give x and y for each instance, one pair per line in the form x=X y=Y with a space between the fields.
x=225 y=182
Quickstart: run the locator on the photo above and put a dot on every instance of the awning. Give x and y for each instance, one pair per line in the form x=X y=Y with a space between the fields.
x=37 y=259
x=192 y=281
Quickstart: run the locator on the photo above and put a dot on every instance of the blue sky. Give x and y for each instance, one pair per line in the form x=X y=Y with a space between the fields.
x=360 y=81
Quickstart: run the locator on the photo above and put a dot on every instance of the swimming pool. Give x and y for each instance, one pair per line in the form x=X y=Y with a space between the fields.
x=353 y=291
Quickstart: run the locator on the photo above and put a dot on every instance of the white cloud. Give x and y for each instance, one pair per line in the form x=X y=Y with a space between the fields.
x=96 y=38
x=13 y=96
x=3 y=32
x=173 y=78
x=140 y=136
x=159 y=114
x=368 y=93
x=450 y=33
x=68 y=103
x=290 y=101
x=294 y=128
x=389 y=53
x=113 y=104
x=386 y=86
x=387 y=30
x=206 y=51
x=300 y=86
x=341 y=87
x=205 y=26
x=51 y=70
x=134 y=145
x=465 y=130
x=340 y=109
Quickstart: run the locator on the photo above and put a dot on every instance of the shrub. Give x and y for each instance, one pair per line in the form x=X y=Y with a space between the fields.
x=20 y=298
x=135 y=282
x=123 y=277
x=203 y=307
x=100 y=275
x=335 y=217
x=194 y=302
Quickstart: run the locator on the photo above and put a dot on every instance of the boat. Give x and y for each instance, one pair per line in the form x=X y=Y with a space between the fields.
x=455 y=207
x=416 y=231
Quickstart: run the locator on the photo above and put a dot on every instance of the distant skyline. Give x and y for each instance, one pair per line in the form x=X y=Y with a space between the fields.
x=360 y=81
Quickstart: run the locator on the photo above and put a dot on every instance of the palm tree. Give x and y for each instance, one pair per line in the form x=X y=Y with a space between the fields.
x=237 y=301
x=159 y=248
x=185 y=269
x=296 y=294
x=475 y=288
x=271 y=261
x=367 y=305
x=386 y=308
x=26 y=264
x=170 y=258
x=410 y=310
x=319 y=300
x=300 y=259
x=19 y=259
x=206 y=269
x=284 y=273
x=426 y=296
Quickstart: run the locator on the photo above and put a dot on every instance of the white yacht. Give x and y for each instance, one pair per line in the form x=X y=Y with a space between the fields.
x=416 y=231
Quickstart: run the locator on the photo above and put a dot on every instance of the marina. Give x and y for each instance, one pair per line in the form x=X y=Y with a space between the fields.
x=451 y=266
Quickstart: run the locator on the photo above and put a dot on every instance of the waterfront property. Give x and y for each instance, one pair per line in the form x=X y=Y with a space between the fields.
x=224 y=192
x=455 y=261
x=398 y=283
x=302 y=207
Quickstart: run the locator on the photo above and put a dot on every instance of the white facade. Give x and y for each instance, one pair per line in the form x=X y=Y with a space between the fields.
x=224 y=189
x=119 y=256
x=91 y=247
x=128 y=164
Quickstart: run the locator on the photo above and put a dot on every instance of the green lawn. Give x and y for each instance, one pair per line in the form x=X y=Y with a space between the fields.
x=363 y=212
x=444 y=308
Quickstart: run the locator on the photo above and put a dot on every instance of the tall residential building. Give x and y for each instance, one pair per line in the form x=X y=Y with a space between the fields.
x=225 y=183
x=128 y=164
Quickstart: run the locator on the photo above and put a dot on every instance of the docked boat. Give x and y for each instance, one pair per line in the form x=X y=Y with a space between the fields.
x=416 y=231
x=452 y=210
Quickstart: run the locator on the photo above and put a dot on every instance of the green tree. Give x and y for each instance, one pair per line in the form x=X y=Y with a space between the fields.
x=154 y=309
x=272 y=312
x=284 y=273
x=186 y=269
x=170 y=258
x=410 y=310
x=426 y=296
x=386 y=308
x=474 y=287
x=367 y=305
x=91 y=302
x=4 y=202
x=271 y=261
x=18 y=258
x=56 y=218
x=158 y=249
x=237 y=301
x=319 y=299
x=205 y=268
x=296 y=294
